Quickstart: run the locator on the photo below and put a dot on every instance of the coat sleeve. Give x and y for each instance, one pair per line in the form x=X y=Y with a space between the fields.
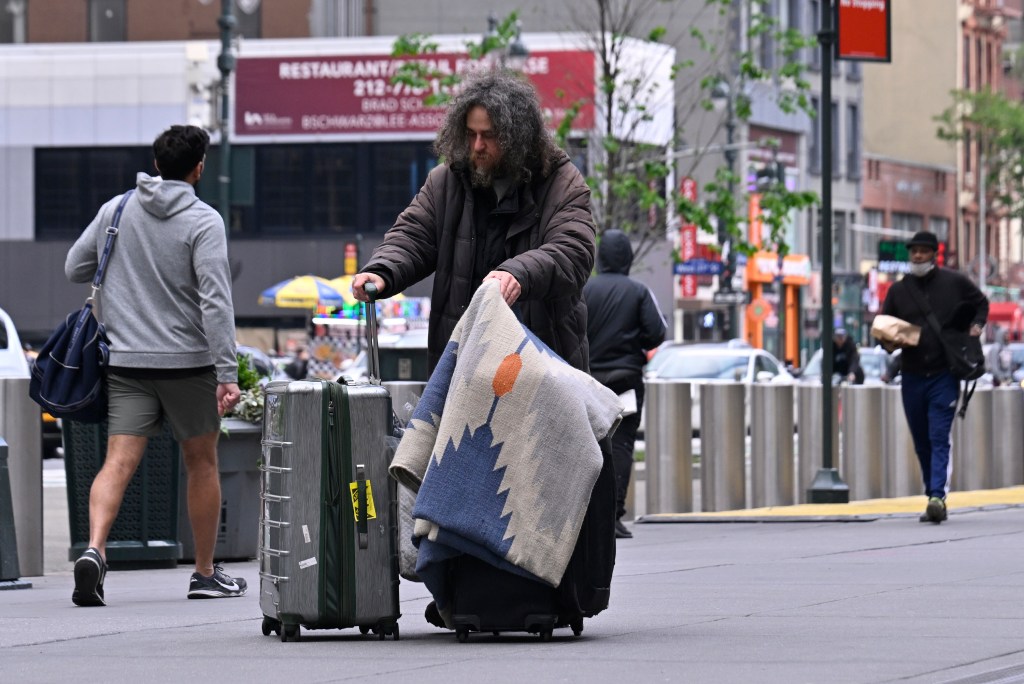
x=652 y=322
x=561 y=264
x=977 y=301
x=408 y=252
x=213 y=273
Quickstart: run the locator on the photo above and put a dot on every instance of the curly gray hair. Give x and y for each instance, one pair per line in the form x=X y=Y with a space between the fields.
x=526 y=145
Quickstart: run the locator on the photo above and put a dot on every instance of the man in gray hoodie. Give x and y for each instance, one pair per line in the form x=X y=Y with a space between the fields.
x=166 y=304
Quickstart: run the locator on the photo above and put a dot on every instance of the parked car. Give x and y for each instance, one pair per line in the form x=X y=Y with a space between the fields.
x=703 y=364
x=874 y=361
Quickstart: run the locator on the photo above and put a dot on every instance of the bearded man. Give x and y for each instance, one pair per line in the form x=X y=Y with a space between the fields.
x=507 y=205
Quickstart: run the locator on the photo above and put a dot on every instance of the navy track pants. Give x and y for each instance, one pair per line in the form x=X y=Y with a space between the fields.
x=930 y=405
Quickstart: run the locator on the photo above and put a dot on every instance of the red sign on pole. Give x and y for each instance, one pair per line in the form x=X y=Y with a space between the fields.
x=864 y=29
x=353 y=94
x=688 y=240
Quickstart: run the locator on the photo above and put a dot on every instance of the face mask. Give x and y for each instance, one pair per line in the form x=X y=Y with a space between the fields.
x=921 y=270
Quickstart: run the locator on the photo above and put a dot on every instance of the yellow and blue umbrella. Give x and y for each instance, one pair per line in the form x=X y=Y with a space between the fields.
x=302 y=292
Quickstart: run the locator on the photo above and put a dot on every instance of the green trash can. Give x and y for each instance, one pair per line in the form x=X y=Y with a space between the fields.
x=146 y=529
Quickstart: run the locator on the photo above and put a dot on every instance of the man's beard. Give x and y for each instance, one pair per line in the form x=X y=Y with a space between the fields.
x=481 y=177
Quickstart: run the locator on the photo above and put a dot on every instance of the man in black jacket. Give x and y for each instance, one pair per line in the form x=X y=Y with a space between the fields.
x=930 y=392
x=623 y=322
x=846 y=358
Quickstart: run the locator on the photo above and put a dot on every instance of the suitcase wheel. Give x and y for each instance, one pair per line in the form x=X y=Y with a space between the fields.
x=394 y=632
x=545 y=634
x=290 y=633
x=577 y=626
x=270 y=625
x=462 y=634
x=364 y=630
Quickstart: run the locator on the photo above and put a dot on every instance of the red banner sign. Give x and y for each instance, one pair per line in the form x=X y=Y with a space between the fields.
x=864 y=28
x=353 y=94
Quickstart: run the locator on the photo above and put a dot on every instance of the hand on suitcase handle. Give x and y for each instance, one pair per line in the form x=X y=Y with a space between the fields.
x=362 y=281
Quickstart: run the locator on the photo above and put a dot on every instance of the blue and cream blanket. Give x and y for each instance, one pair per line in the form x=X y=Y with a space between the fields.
x=502 y=450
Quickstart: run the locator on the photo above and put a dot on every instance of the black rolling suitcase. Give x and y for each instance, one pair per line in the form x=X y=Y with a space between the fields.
x=484 y=598
x=328 y=554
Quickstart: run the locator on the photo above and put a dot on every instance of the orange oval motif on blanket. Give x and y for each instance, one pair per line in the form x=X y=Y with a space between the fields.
x=505 y=376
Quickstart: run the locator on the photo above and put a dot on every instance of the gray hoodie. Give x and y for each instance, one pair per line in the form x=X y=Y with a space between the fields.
x=166 y=298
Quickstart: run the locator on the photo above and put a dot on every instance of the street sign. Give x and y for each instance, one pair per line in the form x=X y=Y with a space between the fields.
x=696 y=267
x=864 y=28
x=730 y=297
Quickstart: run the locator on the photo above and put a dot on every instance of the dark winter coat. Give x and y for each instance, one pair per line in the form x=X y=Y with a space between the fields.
x=623 y=318
x=956 y=303
x=549 y=249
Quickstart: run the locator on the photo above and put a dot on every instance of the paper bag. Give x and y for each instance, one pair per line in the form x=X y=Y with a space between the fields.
x=895 y=332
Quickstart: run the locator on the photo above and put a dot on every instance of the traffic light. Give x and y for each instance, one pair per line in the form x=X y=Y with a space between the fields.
x=940 y=256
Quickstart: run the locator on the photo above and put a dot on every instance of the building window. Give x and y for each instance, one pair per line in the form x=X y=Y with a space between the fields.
x=248 y=13
x=968 y=148
x=939 y=226
x=107 y=21
x=72 y=184
x=12 y=21
x=815 y=64
x=767 y=42
x=908 y=223
x=814 y=144
x=852 y=142
x=967 y=63
x=853 y=71
x=873 y=218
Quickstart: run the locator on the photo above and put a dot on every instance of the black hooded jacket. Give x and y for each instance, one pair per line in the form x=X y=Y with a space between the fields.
x=623 y=319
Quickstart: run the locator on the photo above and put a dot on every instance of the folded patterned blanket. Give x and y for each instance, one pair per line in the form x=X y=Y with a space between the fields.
x=502 y=450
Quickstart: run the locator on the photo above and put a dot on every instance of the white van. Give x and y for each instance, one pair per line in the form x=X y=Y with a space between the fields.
x=13 y=363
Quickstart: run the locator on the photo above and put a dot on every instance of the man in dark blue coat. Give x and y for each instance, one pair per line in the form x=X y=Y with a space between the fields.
x=623 y=322
x=930 y=391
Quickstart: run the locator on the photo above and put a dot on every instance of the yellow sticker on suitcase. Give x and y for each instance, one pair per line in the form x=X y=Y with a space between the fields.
x=371 y=512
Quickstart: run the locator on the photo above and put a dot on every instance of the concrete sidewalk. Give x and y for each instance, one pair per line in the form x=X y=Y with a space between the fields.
x=884 y=601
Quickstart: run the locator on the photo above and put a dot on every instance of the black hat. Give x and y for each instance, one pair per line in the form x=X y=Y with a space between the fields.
x=924 y=239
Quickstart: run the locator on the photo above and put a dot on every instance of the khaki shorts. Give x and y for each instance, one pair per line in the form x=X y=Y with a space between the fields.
x=138 y=407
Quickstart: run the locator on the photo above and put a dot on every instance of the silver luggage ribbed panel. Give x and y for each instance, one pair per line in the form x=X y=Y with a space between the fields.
x=290 y=556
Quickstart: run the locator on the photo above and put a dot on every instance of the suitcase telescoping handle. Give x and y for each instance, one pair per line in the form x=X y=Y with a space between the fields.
x=373 y=362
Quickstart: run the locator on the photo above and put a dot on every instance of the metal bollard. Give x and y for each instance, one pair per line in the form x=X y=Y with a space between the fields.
x=862 y=440
x=1008 y=450
x=722 y=446
x=771 y=450
x=902 y=470
x=9 y=567
x=972 y=444
x=810 y=435
x=668 y=436
x=21 y=426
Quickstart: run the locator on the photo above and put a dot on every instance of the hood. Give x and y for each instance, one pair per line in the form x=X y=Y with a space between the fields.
x=614 y=253
x=164 y=199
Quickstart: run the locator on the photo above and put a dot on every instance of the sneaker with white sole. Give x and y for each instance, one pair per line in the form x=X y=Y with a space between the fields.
x=220 y=585
x=90 y=571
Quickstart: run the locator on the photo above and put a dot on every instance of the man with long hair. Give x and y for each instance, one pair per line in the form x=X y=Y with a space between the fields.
x=507 y=205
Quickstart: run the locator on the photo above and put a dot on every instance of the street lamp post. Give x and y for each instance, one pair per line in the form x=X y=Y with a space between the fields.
x=226 y=64
x=722 y=91
x=511 y=56
x=828 y=485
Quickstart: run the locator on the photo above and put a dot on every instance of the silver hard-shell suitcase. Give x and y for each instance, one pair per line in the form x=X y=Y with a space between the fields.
x=329 y=514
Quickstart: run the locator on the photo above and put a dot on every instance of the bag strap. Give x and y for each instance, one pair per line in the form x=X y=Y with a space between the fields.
x=922 y=303
x=112 y=231
x=966 y=388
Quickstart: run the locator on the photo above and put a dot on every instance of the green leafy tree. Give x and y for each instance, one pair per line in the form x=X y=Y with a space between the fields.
x=996 y=125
